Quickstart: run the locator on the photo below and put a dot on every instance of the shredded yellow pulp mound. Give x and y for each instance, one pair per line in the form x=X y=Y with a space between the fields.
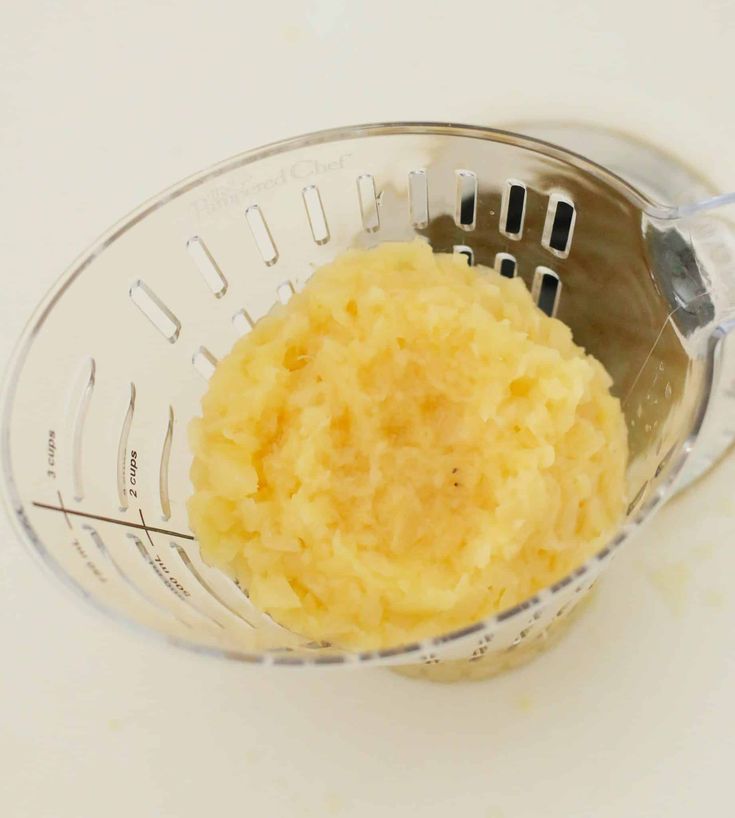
x=406 y=447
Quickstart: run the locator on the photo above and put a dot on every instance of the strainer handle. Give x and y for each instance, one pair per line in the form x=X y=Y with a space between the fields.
x=695 y=208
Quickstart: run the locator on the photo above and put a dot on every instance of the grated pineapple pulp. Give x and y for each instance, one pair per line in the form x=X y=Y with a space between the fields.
x=406 y=447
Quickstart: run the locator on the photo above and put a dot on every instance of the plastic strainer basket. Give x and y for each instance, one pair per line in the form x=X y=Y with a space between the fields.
x=114 y=362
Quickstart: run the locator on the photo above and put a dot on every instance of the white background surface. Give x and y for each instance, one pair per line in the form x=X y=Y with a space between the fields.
x=102 y=104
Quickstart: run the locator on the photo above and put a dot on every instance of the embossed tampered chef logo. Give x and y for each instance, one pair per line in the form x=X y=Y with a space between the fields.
x=243 y=192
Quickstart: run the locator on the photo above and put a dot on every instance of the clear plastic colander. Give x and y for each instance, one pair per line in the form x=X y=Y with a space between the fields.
x=114 y=362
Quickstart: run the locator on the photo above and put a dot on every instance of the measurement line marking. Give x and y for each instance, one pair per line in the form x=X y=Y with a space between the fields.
x=146 y=529
x=139 y=526
x=63 y=508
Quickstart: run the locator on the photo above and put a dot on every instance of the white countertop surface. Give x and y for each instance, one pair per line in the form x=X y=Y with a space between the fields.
x=633 y=715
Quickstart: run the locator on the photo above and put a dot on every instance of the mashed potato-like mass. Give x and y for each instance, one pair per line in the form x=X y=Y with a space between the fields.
x=406 y=447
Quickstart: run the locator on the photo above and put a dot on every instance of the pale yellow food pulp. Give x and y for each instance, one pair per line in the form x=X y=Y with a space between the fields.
x=408 y=446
